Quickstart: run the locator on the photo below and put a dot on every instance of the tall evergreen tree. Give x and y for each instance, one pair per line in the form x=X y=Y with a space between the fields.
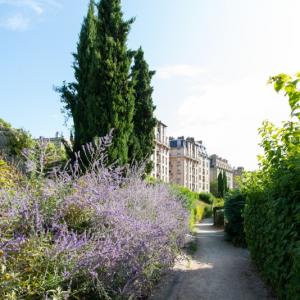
x=220 y=185
x=102 y=97
x=141 y=146
x=76 y=96
x=115 y=100
x=225 y=183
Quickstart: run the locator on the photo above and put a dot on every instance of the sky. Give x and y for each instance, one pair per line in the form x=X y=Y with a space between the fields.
x=212 y=59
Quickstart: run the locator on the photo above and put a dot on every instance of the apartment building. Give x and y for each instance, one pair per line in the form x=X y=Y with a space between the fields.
x=189 y=164
x=160 y=156
x=217 y=165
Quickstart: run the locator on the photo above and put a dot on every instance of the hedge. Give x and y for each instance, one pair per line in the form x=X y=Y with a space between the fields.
x=234 y=218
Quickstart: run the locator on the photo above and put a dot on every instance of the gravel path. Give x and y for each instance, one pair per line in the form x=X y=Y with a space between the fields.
x=217 y=271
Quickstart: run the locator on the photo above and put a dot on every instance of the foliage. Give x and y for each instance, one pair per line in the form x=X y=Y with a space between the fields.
x=225 y=183
x=218 y=202
x=234 y=219
x=272 y=211
x=214 y=188
x=144 y=121
x=102 y=98
x=96 y=236
x=197 y=214
x=4 y=124
x=43 y=157
x=17 y=139
x=9 y=176
x=187 y=197
x=206 y=197
x=222 y=184
x=190 y=200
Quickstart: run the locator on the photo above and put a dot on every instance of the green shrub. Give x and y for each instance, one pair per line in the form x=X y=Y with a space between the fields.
x=272 y=210
x=234 y=219
x=29 y=271
x=198 y=209
x=207 y=211
x=218 y=202
x=186 y=196
x=9 y=176
x=206 y=197
x=196 y=215
x=19 y=140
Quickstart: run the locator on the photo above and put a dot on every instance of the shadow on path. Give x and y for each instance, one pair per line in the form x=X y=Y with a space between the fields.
x=217 y=271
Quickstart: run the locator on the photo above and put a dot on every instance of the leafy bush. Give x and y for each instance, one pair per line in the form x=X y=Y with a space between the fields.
x=234 y=219
x=190 y=200
x=9 y=176
x=206 y=197
x=187 y=197
x=94 y=236
x=17 y=139
x=272 y=211
x=197 y=214
x=207 y=211
x=200 y=211
x=42 y=157
x=218 y=202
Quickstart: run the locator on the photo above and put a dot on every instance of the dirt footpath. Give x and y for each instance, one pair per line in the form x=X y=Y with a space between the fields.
x=217 y=271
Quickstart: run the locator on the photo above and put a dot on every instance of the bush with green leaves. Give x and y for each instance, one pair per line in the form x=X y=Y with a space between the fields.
x=9 y=176
x=206 y=197
x=234 y=218
x=218 y=202
x=198 y=209
x=17 y=139
x=187 y=197
x=272 y=211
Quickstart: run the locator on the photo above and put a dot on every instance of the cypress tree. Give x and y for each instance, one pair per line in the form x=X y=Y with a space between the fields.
x=220 y=185
x=115 y=100
x=102 y=97
x=144 y=122
x=225 y=183
x=76 y=96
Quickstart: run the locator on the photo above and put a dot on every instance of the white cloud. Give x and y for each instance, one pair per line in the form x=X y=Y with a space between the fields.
x=226 y=105
x=16 y=22
x=180 y=70
x=36 y=6
x=24 y=11
x=226 y=116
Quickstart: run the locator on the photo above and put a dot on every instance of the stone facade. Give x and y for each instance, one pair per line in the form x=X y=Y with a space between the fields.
x=161 y=154
x=189 y=164
x=217 y=165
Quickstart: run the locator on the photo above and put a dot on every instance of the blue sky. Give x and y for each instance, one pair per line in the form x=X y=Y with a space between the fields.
x=212 y=57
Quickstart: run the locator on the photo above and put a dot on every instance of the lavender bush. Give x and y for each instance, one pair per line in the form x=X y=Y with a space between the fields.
x=101 y=235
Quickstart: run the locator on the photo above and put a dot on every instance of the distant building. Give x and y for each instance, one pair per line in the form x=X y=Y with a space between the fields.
x=237 y=173
x=57 y=140
x=189 y=164
x=217 y=165
x=160 y=156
